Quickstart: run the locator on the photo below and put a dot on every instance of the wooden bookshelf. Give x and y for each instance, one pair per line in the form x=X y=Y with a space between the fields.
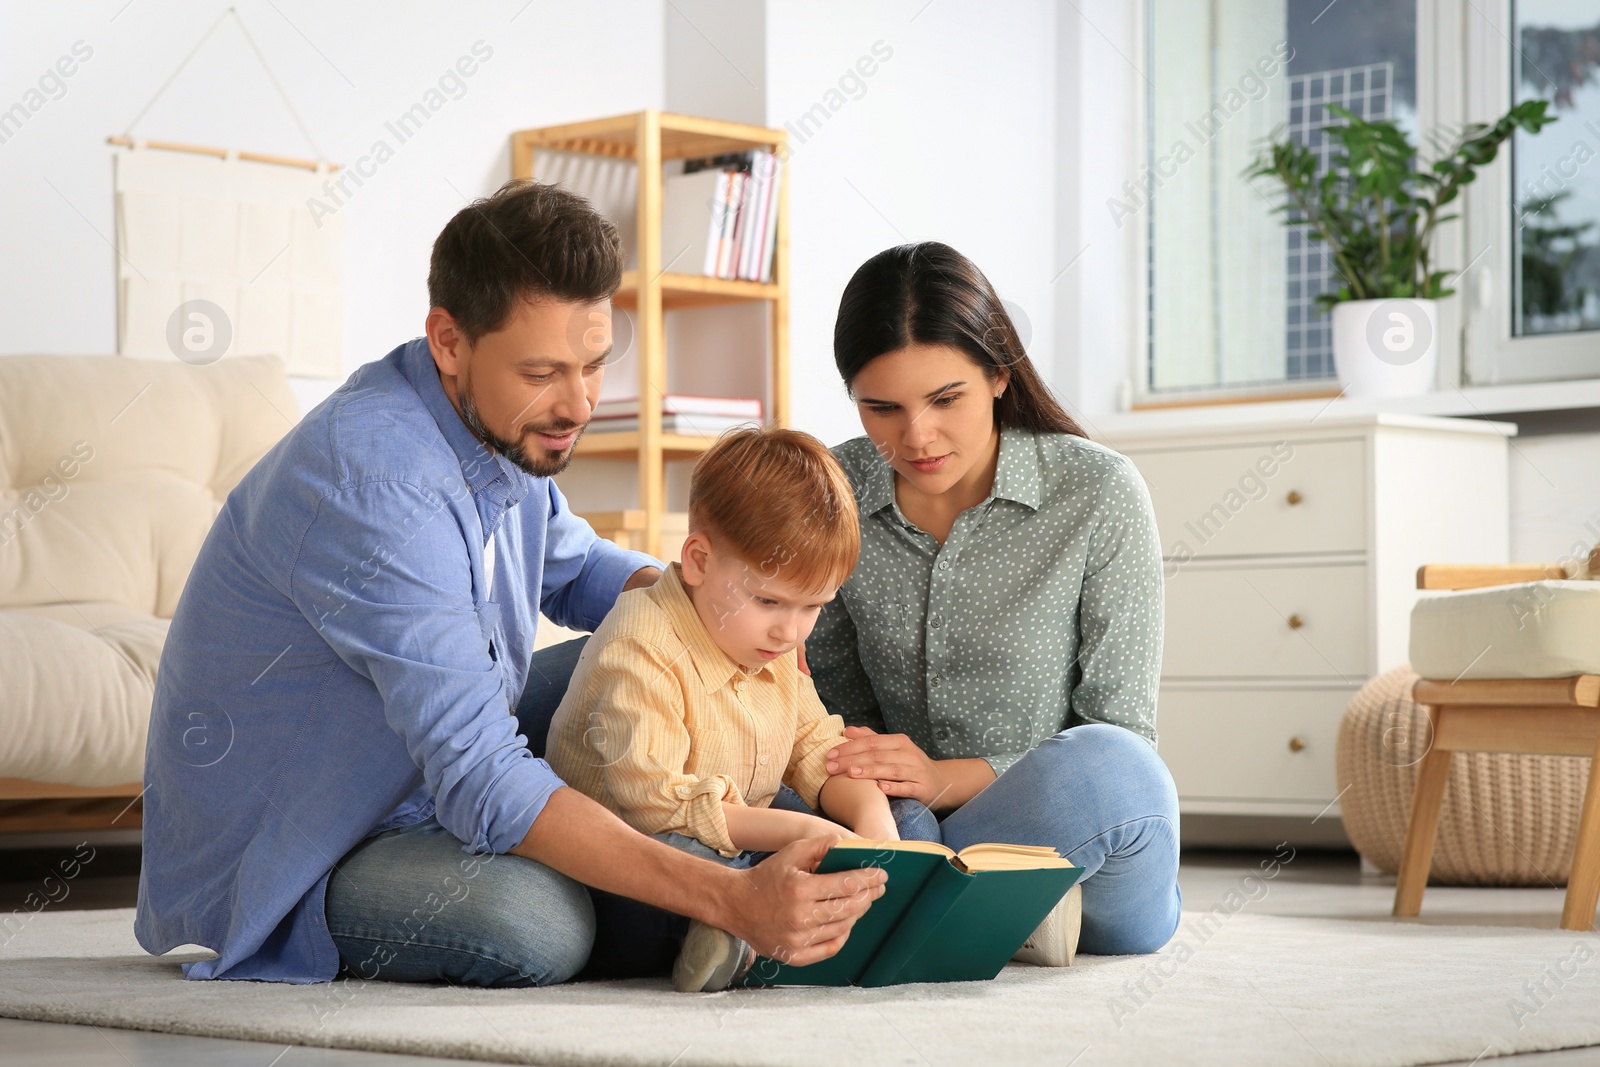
x=650 y=139
x=626 y=528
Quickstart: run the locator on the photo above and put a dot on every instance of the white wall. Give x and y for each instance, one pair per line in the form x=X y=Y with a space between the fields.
x=1098 y=147
x=1555 y=492
x=716 y=59
x=952 y=138
x=349 y=68
x=1000 y=129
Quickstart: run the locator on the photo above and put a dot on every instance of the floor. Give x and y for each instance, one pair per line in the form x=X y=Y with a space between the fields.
x=1320 y=883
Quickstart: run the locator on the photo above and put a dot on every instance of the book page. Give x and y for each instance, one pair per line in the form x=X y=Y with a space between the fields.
x=980 y=857
x=999 y=857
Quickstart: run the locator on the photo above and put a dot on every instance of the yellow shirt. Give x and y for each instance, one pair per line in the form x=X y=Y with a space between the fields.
x=662 y=726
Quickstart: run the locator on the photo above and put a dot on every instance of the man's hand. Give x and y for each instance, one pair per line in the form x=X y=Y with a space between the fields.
x=791 y=915
x=778 y=906
x=903 y=770
x=644 y=576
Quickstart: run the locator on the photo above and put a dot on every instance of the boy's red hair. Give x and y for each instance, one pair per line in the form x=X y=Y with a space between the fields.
x=781 y=501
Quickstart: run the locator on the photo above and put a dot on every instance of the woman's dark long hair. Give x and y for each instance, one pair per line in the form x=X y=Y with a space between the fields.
x=931 y=294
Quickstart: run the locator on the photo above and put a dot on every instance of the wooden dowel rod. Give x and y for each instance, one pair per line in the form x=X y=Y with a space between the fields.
x=221 y=153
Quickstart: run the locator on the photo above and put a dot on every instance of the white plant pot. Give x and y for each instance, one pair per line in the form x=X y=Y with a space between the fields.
x=1386 y=347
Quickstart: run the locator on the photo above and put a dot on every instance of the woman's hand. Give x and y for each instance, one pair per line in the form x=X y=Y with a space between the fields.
x=900 y=767
x=904 y=770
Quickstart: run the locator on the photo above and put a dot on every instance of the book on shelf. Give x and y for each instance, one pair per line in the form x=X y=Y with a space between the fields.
x=693 y=425
x=738 y=183
x=764 y=237
x=721 y=213
x=944 y=916
x=688 y=245
x=683 y=404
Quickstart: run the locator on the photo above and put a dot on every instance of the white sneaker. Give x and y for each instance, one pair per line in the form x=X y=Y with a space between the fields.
x=1055 y=942
x=710 y=959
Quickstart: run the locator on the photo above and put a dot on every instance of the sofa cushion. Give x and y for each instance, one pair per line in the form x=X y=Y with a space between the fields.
x=113 y=469
x=78 y=682
x=1547 y=629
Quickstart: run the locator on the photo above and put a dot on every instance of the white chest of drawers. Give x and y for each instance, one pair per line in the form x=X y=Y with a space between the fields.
x=1290 y=553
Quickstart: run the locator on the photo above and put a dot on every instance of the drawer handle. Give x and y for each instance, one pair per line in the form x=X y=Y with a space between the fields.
x=1295 y=622
x=1296 y=744
x=1294 y=497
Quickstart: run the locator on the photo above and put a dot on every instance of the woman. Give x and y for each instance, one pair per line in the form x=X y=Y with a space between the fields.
x=997 y=648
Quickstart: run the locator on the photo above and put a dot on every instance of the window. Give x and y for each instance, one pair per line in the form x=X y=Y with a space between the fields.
x=1535 y=222
x=1230 y=289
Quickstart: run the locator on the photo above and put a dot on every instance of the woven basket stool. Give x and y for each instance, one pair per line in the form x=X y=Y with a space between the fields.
x=1508 y=819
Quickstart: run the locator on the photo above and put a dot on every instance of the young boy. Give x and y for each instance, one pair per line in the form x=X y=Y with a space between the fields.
x=687 y=708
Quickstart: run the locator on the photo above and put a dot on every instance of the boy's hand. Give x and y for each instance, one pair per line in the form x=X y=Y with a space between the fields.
x=769 y=829
x=879 y=828
x=811 y=826
x=859 y=803
x=788 y=914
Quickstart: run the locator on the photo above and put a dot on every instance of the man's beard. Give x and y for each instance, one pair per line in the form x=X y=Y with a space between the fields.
x=513 y=450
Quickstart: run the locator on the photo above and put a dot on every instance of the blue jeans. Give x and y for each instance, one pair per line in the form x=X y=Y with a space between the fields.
x=408 y=905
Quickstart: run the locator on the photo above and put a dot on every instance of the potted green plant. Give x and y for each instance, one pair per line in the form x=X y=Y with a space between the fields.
x=1375 y=212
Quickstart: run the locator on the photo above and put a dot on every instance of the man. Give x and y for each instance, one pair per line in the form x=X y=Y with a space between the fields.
x=334 y=772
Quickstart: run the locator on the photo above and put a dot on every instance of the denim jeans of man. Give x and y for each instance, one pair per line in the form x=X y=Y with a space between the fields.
x=408 y=905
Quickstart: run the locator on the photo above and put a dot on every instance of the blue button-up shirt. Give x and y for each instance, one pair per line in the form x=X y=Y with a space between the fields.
x=338 y=665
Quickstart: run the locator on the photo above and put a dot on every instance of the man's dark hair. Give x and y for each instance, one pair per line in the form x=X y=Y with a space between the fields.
x=528 y=241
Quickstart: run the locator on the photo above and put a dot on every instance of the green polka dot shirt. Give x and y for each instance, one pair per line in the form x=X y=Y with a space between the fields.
x=1041 y=611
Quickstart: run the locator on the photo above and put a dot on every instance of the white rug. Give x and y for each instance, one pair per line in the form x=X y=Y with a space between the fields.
x=1258 y=989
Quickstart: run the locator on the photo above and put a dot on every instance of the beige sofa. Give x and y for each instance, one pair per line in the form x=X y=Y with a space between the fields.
x=111 y=472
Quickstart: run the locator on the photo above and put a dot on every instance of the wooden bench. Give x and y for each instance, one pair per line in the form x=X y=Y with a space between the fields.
x=1558 y=716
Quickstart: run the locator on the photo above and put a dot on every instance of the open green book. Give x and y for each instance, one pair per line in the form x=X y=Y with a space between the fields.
x=944 y=916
